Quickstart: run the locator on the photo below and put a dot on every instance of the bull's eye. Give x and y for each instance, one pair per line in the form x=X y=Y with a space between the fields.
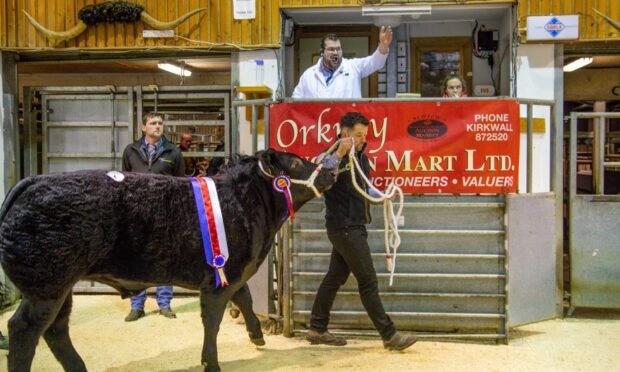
x=296 y=163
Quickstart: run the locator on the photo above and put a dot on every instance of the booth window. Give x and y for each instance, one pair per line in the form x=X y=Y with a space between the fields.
x=434 y=58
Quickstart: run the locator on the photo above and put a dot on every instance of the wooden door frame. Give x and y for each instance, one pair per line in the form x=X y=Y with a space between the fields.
x=462 y=44
x=342 y=31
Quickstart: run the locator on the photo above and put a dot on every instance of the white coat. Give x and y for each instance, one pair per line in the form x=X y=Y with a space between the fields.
x=346 y=80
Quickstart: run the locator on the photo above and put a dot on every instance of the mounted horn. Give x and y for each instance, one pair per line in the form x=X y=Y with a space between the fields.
x=108 y=12
x=55 y=36
x=159 y=25
x=615 y=24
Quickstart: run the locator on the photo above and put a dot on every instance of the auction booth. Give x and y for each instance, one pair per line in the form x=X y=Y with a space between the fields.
x=477 y=253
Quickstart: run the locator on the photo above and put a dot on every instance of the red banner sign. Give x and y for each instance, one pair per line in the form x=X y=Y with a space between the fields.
x=423 y=147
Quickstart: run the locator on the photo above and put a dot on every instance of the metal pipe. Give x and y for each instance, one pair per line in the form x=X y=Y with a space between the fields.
x=267 y=127
x=240 y=103
x=254 y=128
x=287 y=278
x=413 y=232
x=530 y=147
x=598 y=157
x=113 y=134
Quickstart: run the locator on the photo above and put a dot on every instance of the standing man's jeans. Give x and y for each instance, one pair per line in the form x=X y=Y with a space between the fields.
x=164 y=296
x=350 y=253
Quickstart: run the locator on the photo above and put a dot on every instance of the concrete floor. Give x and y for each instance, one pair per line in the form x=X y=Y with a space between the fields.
x=588 y=341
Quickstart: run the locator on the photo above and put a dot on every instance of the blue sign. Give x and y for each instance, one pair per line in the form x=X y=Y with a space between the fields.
x=554 y=27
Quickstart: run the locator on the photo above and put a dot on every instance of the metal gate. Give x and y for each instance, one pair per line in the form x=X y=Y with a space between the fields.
x=80 y=128
x=74 y=128
x=451 y=271
x=594 y=236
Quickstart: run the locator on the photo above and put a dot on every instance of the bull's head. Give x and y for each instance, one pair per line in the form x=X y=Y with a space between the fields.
x=108 y=12
x=307 y=178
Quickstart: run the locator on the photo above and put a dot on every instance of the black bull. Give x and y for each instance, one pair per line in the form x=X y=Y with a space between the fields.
x=140 y=232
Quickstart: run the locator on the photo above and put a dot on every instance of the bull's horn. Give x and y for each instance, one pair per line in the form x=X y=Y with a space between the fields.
x=56 y=36
x=615 y=24
x=158 y=25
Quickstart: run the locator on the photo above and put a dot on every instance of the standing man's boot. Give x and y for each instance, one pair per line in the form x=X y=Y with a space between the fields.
x=134 y=315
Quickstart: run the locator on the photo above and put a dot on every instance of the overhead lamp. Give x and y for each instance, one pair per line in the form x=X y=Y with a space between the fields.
x=577 y=64
x=393 y=15
x=172 y=68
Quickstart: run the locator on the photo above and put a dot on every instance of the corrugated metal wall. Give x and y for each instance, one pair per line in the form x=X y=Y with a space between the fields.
x=450 y=276
x=215 y=25
x=592 y=27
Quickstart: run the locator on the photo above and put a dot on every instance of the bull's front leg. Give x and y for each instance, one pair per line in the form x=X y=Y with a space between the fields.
x=212 y=307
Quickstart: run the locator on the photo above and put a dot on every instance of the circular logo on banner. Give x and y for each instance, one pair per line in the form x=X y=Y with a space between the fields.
x=427 y=129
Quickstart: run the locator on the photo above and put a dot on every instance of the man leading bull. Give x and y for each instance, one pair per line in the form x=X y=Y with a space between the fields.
x=347 y=213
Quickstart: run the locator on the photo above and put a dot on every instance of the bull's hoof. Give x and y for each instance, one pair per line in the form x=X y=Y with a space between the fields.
x=234 y=313
x=208 y=368
x=259 y=341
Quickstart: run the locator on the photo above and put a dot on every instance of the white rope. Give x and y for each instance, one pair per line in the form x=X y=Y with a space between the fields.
x=309 y=183
x=391 y=237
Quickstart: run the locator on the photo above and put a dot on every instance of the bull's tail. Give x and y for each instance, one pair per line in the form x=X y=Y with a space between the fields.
x=13 y=194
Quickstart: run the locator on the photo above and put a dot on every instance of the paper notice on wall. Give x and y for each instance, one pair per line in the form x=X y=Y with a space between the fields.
x=244 y=9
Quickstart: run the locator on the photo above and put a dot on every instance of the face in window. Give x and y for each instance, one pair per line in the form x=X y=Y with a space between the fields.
x=186 y=142
x=332 y=54
x=454 y=88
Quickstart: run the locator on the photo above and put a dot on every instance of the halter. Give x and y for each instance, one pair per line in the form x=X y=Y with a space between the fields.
x=309 y=183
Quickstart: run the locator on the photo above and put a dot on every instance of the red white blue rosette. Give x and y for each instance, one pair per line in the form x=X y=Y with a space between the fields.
x=282 y=184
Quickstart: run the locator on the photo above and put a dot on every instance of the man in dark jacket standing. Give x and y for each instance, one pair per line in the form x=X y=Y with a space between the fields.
x=153 y=154
x=347 y=213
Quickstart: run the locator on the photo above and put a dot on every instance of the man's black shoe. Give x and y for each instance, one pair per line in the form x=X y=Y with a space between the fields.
x=134 y=315
x=168 y=313
x=326 y=338
x=399 y=341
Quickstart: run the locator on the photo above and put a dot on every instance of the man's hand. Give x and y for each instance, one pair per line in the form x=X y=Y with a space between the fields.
x=385 y=39
x=344 y=147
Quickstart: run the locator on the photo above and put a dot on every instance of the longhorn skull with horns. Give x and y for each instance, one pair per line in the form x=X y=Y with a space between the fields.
x=109 y=12
x=609 y=20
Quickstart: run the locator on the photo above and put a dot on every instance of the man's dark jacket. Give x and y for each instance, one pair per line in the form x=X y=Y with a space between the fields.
x=344 y=204
x=167 y=160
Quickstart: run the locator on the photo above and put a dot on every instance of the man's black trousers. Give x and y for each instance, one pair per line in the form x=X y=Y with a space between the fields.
x=350 y=254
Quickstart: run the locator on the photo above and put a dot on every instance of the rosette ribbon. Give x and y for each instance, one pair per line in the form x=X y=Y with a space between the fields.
x=282 y=184
x=211 y=226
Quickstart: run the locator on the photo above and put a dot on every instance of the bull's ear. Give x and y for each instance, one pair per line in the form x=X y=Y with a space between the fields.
x=296 y=163
x=268 y=160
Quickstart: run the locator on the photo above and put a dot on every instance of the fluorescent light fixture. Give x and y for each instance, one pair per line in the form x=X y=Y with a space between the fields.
x=181 y=71
x=577 y=64
x=396 y=10
x=393 y=15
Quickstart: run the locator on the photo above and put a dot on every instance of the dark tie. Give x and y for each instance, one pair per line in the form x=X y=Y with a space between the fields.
x=331 y=73
x=150 y=151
